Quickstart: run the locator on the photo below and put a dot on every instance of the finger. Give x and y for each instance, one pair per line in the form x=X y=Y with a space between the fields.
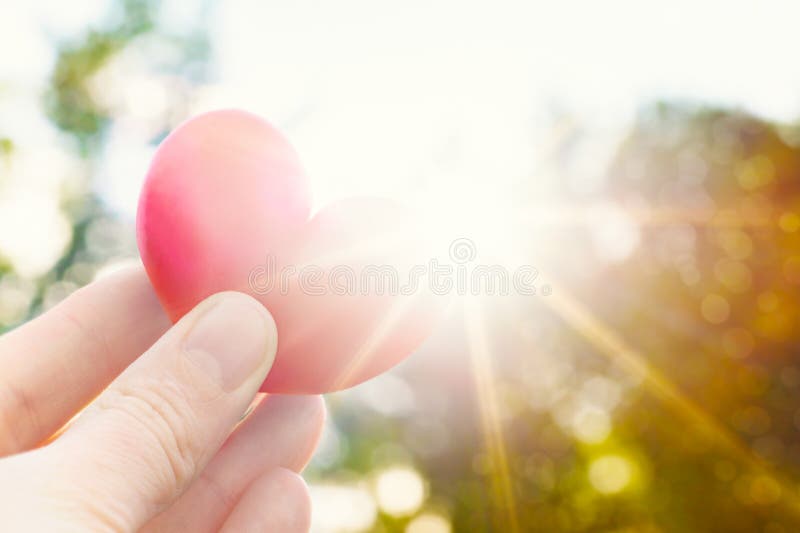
x=54 y=365
x=276 y=502
x=146 y=438
x=281 y=432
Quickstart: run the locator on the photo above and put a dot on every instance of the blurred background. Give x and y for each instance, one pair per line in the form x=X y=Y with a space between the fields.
x=644 y=156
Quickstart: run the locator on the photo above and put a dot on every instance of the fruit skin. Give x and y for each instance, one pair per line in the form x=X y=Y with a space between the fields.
x=225 y=196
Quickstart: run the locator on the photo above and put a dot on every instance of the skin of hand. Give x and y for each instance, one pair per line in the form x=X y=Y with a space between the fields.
x=160 y=443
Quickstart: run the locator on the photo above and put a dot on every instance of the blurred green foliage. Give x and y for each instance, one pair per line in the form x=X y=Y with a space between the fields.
x=72 y=107
x=68 y=102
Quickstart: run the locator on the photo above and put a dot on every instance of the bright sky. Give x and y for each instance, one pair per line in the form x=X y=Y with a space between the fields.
x=403 y=98
x=600 y=57
x=373 y=93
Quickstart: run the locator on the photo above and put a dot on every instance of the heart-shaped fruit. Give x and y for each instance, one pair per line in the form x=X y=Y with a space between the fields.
x=226 y=206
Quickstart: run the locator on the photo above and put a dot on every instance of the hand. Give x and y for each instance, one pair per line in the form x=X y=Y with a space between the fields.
x=158 y=448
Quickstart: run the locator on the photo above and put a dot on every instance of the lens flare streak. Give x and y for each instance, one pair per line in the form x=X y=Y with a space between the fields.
x=612 y=345
x=485 y=384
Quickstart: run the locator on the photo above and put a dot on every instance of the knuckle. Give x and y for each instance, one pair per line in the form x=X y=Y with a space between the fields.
x=84 y=513
x=296 y=497
x=159 y=412
x=291 y=483
x=218 y=490
x=83 y=324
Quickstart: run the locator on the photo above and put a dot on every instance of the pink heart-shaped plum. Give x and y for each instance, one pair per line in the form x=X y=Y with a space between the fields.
x=226 y=206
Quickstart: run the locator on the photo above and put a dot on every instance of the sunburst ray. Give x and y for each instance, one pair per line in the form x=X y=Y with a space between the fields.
x=612 y=345
x=487 y=400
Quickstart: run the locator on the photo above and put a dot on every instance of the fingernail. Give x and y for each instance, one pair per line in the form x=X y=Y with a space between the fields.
x=231 y=340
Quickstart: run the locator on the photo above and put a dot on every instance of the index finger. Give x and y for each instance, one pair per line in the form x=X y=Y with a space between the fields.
x=54 y=365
